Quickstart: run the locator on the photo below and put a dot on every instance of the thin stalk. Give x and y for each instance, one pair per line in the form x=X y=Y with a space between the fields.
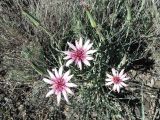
x=142 y=105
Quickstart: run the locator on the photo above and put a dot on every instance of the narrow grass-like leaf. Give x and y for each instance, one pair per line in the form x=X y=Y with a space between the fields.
x=36 y=22
x=92 y=21
x=157 y=14
x=98 y=31
x=128 y=13
x=128 y=18
x=38 y=69
x=123 y=62
x=142 y=105
x=31 y=18
x=142 y=5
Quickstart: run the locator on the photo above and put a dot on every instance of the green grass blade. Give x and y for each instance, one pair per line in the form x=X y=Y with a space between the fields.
x=142 y=105
x=32 y=19
x=142 y=5
x=38 y=69
x=92 y=21
x=129 y=17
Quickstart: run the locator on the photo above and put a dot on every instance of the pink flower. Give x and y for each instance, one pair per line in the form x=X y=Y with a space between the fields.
x=117 y=79
x=79 y=53
x=60 y=84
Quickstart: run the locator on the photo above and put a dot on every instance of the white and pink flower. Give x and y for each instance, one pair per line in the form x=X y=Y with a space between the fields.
x=79 y=53
x=117 y=79
x=60 y=84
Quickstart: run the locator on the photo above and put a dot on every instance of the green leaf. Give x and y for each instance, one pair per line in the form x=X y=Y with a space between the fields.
x=93 y=23
x=38 y=69
x=123 y=61
x=32 y=19
x=129 y=17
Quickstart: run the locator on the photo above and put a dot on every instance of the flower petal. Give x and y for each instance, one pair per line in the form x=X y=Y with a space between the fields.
x=108 y=83
x=120 y=85
x=66 y=52
x=65 y=96
x=121 y=73
x=114 y=87
x=89 y=58
x=91 y=51
x=66 y=74
x=86 y=44
x=124 y=79
x=71 y=85
x=108 y=75
x=79 y=65
x=51 y=74
x=71 y=46
x=69 y=62
x=56 y=73
x=77 y=44
x=108 y=79
x=123 y=84
x=123 y=76
x=47 y=81
x=60 y=71
x=68 y=78
x=118 y=88
x=69 y=91
x=80 y=42
x=50 y=93
x=67 y=57
x=89 y=46
x=114 y=72
x=58 y=98
x=86 y=62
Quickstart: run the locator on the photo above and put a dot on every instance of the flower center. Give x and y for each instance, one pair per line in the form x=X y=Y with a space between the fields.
x=78 y=54
x=116 y=80
x=59 y=84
